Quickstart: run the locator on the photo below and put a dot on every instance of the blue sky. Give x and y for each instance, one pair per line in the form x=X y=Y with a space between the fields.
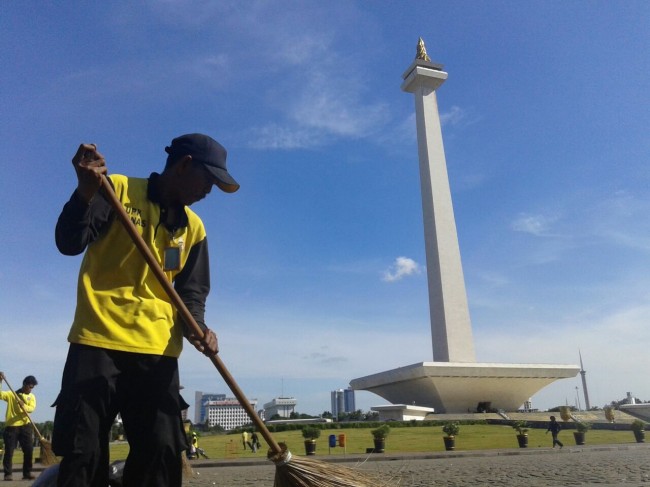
x=318 y=261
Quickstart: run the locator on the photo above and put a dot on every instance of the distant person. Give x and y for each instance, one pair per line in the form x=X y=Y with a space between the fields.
x=191 y=451
x=255 y=442
x=244 y=438
x=195 y=446
x=18 y=427
x=554 y=427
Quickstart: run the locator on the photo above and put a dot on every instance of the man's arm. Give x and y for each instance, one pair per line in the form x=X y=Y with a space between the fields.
x=86 y=213
x=193 y=282
x=80 y=223
x=28 y=402
x=193 y=286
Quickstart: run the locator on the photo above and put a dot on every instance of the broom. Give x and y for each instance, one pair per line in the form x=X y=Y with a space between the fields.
x=47 y=455
x=290 y=470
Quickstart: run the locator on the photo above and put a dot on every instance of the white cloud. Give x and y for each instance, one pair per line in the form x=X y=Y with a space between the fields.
x=336 y=112
x=459 y=117
x=537 y=225
x=454 y=116
x=402 y=267
x=315 y=115
x=274 y=136
x=621 y=220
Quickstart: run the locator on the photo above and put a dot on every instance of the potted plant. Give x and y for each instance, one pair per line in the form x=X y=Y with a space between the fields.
x=565 y=413
x=638 y=428
x=450 y=429
x=379 y=436
x=522 y=433
x=581 y=428
x=310 y=433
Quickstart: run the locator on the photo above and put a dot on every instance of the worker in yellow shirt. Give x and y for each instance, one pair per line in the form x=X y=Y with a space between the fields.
x=195 y=446
x=18 y=427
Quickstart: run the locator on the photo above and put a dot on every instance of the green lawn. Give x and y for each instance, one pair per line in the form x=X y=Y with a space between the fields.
x=406 y=439
x=410 y=439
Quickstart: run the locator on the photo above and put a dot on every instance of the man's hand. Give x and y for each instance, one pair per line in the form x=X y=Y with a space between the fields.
x=2 y=376
x=89 y=165
x=208 y=345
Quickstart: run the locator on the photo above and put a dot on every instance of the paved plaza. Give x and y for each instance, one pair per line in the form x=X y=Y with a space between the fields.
x=603 y=465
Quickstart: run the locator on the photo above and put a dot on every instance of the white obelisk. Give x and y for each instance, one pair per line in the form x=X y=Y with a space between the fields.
x=454 y=382
x=451 y=329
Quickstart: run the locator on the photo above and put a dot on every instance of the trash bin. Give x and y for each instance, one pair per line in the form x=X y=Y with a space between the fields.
x=332 y=440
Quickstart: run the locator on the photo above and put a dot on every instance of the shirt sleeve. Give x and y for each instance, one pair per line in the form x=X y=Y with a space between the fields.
x=193 y=283
x=30 y=402
x=80 y=224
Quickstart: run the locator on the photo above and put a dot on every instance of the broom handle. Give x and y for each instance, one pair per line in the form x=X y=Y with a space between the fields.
x=184 y=312
x=23 y=409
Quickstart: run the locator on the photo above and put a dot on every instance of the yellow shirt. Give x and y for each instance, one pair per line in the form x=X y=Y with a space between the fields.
x=15 y=415
x=120 y=303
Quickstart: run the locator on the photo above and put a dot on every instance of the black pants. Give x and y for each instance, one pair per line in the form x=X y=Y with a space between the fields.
x=97 y=385
x=12 y=436
x=556 y=441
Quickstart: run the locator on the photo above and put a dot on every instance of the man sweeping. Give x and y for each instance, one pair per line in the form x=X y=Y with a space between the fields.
x=125 y=338
x=18 y=427
x=199 y=452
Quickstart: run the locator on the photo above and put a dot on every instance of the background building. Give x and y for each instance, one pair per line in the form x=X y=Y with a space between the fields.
x=282 y=406
x=200 y=401
x=217 y=409
x=343 y=402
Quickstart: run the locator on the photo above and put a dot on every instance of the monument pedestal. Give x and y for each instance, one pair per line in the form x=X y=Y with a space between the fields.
x=453 y=387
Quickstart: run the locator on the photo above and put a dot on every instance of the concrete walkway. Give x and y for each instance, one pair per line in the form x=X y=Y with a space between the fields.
x=601 y=465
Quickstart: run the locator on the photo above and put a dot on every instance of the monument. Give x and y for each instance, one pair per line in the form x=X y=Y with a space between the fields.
x=454 y=382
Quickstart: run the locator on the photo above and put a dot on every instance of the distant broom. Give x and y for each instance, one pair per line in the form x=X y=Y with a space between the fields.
x=291 y=471
x=47 y=455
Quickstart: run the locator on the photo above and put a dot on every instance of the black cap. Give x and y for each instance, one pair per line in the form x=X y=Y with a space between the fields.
x=208 y=152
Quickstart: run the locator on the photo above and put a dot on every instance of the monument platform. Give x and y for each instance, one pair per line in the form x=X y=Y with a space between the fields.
x=454 y=387
x=640 y=411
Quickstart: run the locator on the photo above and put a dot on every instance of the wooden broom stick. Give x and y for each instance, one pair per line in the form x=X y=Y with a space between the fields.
x=184 y=312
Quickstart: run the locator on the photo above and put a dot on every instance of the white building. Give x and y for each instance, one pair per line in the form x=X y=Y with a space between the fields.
x=282 y=406
x=217 y=409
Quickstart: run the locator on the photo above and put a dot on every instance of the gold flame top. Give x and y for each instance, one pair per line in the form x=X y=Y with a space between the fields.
x=422 y=51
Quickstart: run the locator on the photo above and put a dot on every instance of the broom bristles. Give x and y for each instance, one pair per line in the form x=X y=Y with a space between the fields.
x=296 y=471
x=47 y=455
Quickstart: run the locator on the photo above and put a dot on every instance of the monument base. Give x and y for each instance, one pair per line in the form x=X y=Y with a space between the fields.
x=640 y=411
x=402 y=412
x=452 y=387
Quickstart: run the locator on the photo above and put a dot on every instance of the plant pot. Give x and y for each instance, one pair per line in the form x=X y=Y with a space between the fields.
x=565 y=413
x=380 y=445
x=639 y=436
x=579 y=437
x=523 y=441
x=450 y=442
x=310 y=447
